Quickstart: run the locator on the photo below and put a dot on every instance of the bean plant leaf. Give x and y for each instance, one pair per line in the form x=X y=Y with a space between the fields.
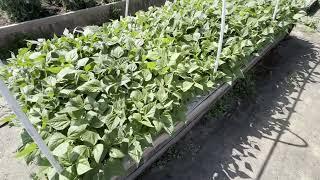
x=116 y=153
x=91 y=86
x=83 y=166
x=28 y=149
x=61 y=149
x=98 y=152
x=186 y=86
x=117 y=52
x=72 y=55
x=90 y=137
x=59 y=122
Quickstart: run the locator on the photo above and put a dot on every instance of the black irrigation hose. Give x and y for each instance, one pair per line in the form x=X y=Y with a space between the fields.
x=4 y=124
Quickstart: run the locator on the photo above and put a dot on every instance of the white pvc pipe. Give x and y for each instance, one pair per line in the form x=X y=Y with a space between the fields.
x=127 y=8
x=15 y=107
x=275 y=10
x=222 y=28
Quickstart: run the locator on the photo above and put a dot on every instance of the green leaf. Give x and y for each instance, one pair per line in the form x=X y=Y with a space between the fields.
x=116 y=153
x=117 y=52
x=150 y=110
x=193 y=68
x=80 y=151
x=158 y=125
x=132 y=67
x=90 y=137
x=28 y=149
x=62 y=149
x=59 y=122
x=54 y=70
x=298 y=16
x=135 y=151
x=8 y=118
x=55 y=140
x=82 y=62
x=98 y=152
x=173 y=59
x=35 y=55
x=83 y=166
x=196 y=36
x=76 y=102
x=147 y=75
x=146 y=122
x=210 y=84
x=75 y=132
x=91 y=86
x=72 y=55
x=162 y=95
x=168 y=123
x=198 y=86
x=153 y=55
x=148 y=138
x=137 y=116
x=64 y=72
x=136 y=95
x=186 y=86
x=151 y=65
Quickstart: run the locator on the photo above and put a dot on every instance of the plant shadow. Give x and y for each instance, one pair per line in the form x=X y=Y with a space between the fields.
x=216 y=147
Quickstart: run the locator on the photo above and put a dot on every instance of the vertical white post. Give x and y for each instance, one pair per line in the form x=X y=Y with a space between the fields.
x=275 y=10
x=15 y=107
x=222 y=28
x=127 y=8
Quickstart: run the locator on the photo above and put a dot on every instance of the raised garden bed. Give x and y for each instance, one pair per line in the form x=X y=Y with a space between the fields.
x=100 y=97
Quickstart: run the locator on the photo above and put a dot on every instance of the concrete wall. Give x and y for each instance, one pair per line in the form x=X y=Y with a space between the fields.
x=46 y=27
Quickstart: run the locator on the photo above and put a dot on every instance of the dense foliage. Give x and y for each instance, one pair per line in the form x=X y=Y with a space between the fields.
x=21 y=10
x=100 y=96
x=78 y=4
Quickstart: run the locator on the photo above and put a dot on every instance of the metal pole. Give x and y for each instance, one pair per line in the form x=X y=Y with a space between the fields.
x=15 y=107
x=223 y=21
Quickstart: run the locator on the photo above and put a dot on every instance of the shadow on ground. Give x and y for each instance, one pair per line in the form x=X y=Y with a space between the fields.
x=216 y=148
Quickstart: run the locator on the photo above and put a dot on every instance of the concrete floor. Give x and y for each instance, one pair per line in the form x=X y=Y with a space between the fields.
x=275 y=135
x=10 y=167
